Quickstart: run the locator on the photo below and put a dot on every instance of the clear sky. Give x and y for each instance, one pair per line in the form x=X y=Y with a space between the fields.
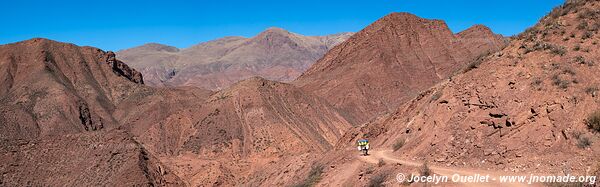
x=115 y=25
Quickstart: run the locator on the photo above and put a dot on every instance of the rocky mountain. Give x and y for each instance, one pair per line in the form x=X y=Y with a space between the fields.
x=391 y=61
x=51 y=88
x=274 y=54
x=78 y=112
x=529 y=108
x=57 y=127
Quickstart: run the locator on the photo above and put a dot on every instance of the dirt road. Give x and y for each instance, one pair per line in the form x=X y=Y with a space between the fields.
x=386 y=155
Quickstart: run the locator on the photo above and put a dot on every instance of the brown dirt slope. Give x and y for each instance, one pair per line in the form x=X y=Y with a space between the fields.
x=523 y=109
x=391 y=61
x=274 y=54
x=87 y=159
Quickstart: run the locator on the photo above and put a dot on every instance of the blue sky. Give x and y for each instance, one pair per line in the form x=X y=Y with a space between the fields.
x=115 y=25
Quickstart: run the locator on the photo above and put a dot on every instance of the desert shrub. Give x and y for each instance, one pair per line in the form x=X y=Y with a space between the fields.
x=569 y=71
x=558 y=50
x=536 y=82
x=586 y=35
x=314 y=176
x=378 y=180
x=592 y=90
x=582 y=26
x=587 y=50
x=424 y=170
x=583 y=141
x=577 y=47
x=576 y=134
x=579 y=60
x=590 y=63
x=595 y=27
x=595 y=43
x=399 y=143
x=557 y=81
x=475 y=63
x=587 y=13
x=381 y=163
x=369 y=170
x=593 y=121
x=436 y=95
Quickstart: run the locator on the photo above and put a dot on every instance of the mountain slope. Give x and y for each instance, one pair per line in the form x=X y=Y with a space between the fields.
x=236 y=131
x=274 y=54
x=56 y=110
x=390 y=61
x=51 y=88
x=525 y=109
x=73 y=110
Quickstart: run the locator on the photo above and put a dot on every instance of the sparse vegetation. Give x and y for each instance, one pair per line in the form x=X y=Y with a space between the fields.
x=399 y=143
x=381 y=163
x=369 y=170
x=587 y=50
x=582 y=60
x=593 y=121
x=586 y=35
x=475 y=64
x=536 y=82
x=558 y=50
x=436 y=95
x=569 y=71
x=587 y=13
x=592 y=90
x=378 y=180
x=579 y=60
x=557 y=81
x=314 y=176
x=577 y=47
x=424 y=170
x=583 y=141
x=582 y=26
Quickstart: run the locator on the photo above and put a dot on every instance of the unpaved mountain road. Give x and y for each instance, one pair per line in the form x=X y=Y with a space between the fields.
x=386 y=155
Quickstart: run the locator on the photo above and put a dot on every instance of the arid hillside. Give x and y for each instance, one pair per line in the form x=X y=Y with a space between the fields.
x=51 y=88
x=234 y=132
x=57 y=128
x=274 y=54
x=391 y=61
x=531 y=108
x=74 y=110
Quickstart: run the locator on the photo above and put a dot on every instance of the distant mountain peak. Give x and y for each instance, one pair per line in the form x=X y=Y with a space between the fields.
x=273 y=32
x=158 y=47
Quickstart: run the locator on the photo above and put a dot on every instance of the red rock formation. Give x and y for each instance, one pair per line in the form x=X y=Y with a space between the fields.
x=51 y=88
x=389 y=62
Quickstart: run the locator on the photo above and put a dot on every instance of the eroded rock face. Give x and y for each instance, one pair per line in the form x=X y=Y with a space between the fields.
x=274 y=54
x=393 y=60
x=122 y=69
